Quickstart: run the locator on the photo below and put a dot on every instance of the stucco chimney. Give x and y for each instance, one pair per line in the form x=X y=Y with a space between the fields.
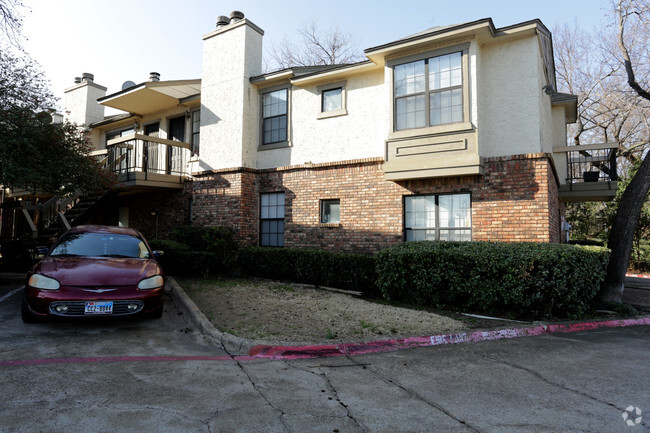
x=80 y=101
x=231 y=55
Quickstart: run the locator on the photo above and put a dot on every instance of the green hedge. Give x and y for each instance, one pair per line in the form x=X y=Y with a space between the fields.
x=323 y=268
x=527 y=280
x=197 y=251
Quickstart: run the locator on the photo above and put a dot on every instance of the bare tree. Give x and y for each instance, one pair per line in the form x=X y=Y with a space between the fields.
x=11 y=21
x=612 y=107
x=333 y=47
x=633 y=38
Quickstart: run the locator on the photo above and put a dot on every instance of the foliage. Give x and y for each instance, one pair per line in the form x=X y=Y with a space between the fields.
x=197 y=251
x=587 y=220
x=518 y=279
x=609 y=72
x=331 y=269
x=36 y=154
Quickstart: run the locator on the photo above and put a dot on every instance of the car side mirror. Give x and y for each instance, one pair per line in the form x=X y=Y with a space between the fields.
x=40 y=251
x=158 y=254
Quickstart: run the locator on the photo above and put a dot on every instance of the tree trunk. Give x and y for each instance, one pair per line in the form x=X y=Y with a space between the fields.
x=621 y=236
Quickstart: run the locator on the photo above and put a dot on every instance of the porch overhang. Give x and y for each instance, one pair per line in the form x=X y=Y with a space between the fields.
x=152 y=96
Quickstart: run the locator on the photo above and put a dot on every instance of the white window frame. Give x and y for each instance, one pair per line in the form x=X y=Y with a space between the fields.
x=433 y=223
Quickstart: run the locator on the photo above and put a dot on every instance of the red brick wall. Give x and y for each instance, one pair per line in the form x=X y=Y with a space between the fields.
x=172 y=209
x=516 y=200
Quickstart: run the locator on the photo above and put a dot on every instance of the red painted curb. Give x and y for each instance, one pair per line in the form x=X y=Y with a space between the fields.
x=348 y=349
x=637 y=276
x=259 y=353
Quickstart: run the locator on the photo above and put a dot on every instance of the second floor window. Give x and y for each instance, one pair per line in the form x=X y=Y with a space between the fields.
x=331 y=100
x=429 y=92
x=274 y=116
x=196 y=131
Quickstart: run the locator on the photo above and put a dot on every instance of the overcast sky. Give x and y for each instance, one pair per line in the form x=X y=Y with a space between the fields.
x=120 y=40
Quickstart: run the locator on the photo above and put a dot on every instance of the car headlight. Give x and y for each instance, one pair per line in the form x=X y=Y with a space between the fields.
x=39 y=281
x=151 y=282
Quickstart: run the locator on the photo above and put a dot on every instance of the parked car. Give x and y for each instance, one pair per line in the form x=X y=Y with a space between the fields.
x=95 y=271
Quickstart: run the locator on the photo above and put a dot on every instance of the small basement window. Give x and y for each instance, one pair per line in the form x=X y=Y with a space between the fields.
x=330 y=211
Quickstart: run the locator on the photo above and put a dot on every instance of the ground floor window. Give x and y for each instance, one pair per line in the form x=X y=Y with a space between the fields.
x=330 y=211
x=272 y=219
x=438 y=217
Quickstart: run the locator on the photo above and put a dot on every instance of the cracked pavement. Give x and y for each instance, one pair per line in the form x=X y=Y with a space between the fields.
x=580 y=382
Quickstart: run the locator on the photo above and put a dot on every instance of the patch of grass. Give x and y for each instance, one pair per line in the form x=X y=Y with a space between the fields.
x=371 y=326
x=330 y=334
x=282 y=288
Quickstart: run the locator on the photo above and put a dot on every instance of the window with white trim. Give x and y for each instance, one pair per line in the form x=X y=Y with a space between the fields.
x=429 y=91
x=272 y=219
x=445 y=217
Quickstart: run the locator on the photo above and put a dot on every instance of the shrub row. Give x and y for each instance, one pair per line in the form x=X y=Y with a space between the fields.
x=197 y=251
x=508 y=279
x=323 y=268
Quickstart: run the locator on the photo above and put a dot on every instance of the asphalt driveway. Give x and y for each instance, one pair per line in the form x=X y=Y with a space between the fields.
x=159 y=375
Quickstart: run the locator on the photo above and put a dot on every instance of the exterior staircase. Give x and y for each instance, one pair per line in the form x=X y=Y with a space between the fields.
x=61 y=213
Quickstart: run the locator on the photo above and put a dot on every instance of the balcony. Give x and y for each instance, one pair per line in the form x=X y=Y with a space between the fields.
x=144 y=162
x=590 y=172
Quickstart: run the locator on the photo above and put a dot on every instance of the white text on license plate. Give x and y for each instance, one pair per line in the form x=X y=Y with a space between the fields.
x=95 y=307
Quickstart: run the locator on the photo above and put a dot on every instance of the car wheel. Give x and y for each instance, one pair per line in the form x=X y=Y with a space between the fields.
x=27 y=315
x=157 y=313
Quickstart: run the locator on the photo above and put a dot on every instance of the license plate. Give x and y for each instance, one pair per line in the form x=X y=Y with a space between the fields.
x=105 y=307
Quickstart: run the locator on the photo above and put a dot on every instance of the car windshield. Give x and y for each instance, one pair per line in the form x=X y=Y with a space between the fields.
x=101 y=245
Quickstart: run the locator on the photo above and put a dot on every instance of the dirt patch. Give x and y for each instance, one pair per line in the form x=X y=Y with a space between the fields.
x=283 y=312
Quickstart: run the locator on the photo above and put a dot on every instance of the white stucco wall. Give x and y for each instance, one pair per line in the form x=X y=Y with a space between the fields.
x=358 y=134
x=230 y=57
x=80 y=103
x=559 y=139
x=546 y=125
x=509 y=93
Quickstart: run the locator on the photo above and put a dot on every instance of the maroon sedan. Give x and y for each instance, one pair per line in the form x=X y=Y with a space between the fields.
x=95 y=271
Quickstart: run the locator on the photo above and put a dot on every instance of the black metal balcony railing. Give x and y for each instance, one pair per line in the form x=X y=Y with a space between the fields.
x=140 y=153
x=591 y=163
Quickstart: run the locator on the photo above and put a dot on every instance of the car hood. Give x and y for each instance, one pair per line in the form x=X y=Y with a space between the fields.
x=89 y=271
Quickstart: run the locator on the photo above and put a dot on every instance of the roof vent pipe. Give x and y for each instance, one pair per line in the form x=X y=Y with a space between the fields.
x=88 y=77
x=77 y=80
x=222 y=21
x=236 y=16
x=154 y=76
